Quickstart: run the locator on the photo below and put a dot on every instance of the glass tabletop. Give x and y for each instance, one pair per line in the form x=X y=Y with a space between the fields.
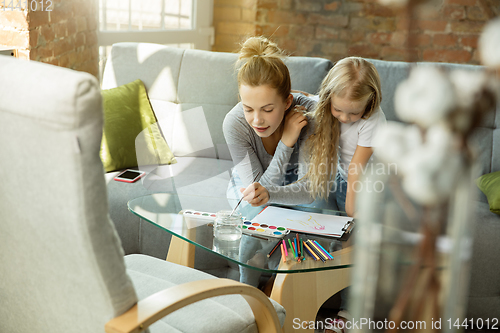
x=164 y=210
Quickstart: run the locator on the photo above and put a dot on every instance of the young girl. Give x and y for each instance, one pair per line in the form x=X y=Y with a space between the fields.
x=264 y=130
x=346 y=117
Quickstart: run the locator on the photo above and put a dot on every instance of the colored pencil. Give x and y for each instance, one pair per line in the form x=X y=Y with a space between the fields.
x=282 y=252
x=312 y=253
x=302 y=249
x=322 y=248
x=291 y=247
x=296 y=248
x=284 y=246
x=294 y=242
x=317 y=251
x=327 y=257
x=298 y=243
x=274 y=249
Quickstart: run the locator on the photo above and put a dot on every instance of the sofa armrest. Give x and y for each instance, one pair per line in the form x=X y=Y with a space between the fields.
x=157 y=306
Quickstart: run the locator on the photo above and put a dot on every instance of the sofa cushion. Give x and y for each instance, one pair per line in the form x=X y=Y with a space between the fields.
x=484 y=290
x=391 y=74
x=190 y=176
x=482 y=142
x=150 y=275
x=489 y=184
x=495 y=158
x=131 y=134
x=307 y=73
x=156 y=65
x=201 y=67
x=187 y=129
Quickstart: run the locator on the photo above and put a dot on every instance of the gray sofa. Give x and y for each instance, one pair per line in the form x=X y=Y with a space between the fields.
x=179 y=82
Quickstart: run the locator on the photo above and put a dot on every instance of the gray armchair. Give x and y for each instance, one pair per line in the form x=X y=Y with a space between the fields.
x=62 y=268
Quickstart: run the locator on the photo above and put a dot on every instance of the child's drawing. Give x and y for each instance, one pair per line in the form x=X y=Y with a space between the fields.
x=311 y=223
x=308 y=222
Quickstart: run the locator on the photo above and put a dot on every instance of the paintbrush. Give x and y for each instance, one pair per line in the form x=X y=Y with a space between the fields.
x=242 y=197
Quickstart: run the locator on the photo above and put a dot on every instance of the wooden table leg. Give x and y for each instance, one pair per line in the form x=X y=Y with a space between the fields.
x=302 y=294
x=182 y=252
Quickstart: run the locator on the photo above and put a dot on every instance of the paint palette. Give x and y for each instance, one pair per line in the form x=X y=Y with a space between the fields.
x=248 y=227
x=199 y=215
x=265 y=230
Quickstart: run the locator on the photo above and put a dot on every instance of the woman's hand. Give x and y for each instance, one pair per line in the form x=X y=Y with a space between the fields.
x=255 y=194
x=294 y=122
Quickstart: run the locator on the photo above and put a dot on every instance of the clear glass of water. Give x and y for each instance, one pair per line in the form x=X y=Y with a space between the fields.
x=229 y=249
x=227 y=227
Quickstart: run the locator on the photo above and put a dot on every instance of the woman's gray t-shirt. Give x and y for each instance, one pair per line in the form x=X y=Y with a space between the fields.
x=250 y=157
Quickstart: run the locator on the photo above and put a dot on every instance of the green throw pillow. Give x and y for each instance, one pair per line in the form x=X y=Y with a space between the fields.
x=490 y=185
x=127 y=113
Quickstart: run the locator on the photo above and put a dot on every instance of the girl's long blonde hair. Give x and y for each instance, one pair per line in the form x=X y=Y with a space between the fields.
x=354 y=78
x=263 y=65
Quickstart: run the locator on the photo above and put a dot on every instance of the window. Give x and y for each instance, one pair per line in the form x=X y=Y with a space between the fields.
x=180 y=23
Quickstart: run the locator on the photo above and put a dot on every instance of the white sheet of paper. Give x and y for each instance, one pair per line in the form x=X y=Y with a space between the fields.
x=303 y=221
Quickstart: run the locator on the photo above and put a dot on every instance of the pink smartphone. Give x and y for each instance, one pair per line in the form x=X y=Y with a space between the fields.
x=129 y=176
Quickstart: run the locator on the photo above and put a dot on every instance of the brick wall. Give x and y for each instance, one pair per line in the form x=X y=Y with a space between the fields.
x=14 y=30
x=66 y=36
x=234 y=20
x=446 y=31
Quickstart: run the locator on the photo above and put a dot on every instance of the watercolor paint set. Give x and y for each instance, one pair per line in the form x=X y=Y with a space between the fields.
x=200 y=215
x=248 y=227
x=265 y=230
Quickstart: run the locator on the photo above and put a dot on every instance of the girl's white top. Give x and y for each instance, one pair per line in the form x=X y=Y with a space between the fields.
x=359 y=133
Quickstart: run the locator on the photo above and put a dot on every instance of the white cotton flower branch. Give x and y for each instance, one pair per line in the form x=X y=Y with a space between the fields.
x=468 y=85
x=394 y=142
x=430 y=171
x=427 y=164
x=425 y=98
x=489 y=44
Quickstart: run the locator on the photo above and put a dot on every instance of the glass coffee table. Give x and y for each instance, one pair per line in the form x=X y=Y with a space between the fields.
x=301 y=287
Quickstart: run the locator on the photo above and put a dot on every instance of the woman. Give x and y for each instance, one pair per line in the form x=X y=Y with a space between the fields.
x=264 y=130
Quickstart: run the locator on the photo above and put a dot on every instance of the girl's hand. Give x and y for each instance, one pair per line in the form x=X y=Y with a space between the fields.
x=294 y=122
x=255 y=194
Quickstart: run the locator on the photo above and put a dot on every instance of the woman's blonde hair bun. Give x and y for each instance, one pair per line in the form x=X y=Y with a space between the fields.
x=263 y=65
x=259 y=46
